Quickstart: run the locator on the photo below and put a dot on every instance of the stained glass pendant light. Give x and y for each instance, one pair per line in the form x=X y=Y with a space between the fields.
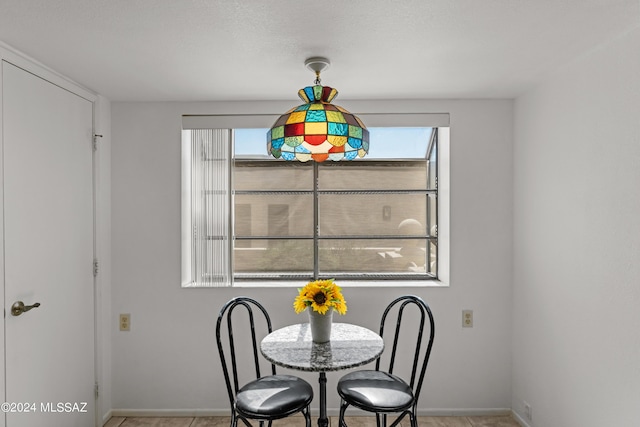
x=318 y=130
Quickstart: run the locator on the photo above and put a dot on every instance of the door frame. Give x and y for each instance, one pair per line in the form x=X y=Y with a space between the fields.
x=16 y=58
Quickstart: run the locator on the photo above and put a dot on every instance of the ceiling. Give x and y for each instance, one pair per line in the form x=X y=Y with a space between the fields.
x=222 y=50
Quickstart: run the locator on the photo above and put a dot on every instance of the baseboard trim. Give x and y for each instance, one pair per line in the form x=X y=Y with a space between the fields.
x=170 y=412
x=471 y=412
x=353 y=412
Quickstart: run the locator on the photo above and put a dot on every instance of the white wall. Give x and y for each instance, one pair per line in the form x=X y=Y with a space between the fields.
x=576 y=345
x=168 y=361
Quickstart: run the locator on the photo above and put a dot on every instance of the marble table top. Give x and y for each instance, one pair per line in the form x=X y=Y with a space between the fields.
x=350 y=346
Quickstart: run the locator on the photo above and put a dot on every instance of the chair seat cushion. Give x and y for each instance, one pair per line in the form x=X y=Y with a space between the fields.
x=274 y=396
x=375 y=391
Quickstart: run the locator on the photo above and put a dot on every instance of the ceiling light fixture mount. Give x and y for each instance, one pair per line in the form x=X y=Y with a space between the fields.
x=318 y=130
x=317 y=64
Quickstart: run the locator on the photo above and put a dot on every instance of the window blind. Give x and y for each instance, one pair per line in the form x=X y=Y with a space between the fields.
x=210 y=208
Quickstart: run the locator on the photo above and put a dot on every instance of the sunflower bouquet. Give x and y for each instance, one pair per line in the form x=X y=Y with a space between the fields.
x=320 y=295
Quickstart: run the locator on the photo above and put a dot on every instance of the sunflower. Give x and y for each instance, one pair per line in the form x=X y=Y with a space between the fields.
x=320 y=295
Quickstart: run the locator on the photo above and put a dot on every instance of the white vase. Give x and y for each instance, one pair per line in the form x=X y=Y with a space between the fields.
x=320 y=325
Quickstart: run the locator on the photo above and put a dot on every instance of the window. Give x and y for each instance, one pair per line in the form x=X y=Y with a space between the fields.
x=247 y=217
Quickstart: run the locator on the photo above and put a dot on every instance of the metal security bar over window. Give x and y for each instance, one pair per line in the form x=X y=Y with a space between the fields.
x=346 y=220
x=371 y=219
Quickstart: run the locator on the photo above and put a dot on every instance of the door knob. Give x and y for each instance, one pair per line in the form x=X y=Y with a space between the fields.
x=18 y=308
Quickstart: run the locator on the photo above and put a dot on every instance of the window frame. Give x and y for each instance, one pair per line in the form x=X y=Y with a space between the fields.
x=441 y=121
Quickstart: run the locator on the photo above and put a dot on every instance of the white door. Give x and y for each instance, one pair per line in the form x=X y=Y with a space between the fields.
x=48 y=252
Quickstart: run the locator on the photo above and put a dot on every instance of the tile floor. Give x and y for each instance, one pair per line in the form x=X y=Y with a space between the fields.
x=483 y=421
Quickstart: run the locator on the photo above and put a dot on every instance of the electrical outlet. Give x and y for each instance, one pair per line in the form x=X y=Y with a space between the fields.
x=527 y=411
x=467 y=318
x=125 y=322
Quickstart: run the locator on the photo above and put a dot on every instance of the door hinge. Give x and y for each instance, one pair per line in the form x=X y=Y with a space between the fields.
x=95 y=141
x=95 y=267
x=97 y=390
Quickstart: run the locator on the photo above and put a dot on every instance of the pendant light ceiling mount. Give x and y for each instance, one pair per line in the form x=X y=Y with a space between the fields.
x=317 y=64
x=318 y=130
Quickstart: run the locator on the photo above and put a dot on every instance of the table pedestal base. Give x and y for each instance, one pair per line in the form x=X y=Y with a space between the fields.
x=323 y=421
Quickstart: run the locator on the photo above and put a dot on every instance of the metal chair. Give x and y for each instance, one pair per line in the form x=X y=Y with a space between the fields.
x=382 y=392
x=266 y=398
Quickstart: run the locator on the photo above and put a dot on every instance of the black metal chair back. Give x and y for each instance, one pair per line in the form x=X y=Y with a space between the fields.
x=255 y=312
x=422 y=349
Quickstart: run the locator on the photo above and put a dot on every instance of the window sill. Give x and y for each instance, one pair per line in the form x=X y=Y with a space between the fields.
x=348 y=284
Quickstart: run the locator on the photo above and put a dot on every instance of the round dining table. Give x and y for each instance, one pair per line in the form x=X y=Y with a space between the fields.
x=350 y=346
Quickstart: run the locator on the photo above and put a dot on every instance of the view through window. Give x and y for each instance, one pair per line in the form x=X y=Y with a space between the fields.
x=374 y=217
